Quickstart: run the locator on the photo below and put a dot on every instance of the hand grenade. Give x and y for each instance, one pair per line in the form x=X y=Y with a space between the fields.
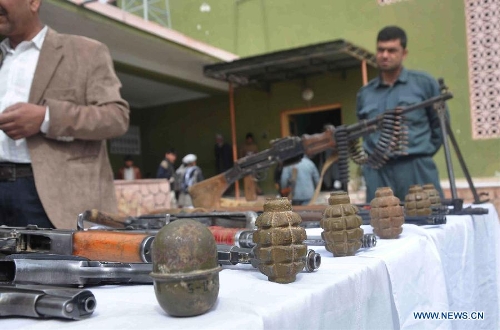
x=433 y=194
x=417 y=202
x=279 y=238
x=341 y=226
x=386 y=215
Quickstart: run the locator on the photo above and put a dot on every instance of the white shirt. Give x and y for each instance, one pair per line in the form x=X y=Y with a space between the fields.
x=128 y=173
x=16 y=76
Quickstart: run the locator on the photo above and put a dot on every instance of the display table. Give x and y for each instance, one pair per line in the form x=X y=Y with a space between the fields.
x=454 y=267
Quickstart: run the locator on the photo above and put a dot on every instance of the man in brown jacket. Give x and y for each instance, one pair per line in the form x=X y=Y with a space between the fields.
x=59 y=101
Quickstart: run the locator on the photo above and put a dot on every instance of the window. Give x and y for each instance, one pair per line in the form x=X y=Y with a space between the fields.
x=127 y=144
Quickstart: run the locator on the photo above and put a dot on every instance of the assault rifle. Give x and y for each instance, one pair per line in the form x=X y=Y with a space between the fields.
x=129 y=240
x=290 y=150
x=105 y=245
x=126 y=242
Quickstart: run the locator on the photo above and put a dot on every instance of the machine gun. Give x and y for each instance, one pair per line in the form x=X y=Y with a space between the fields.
x=342 y=139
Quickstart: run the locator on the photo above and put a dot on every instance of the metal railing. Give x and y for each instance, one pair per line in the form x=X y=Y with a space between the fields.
x=157 y=11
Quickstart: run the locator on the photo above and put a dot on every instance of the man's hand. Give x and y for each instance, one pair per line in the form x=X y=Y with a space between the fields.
x=22 y=120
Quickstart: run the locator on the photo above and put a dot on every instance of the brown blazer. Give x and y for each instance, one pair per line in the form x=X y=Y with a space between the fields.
x=76 y=80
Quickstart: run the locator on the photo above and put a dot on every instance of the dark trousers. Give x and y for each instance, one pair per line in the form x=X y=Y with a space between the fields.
x=400 y=174
x=20 y=205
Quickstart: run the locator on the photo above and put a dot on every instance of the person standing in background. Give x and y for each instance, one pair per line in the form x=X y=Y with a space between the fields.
x=302 y=178
x=179 y=177
x=166 y=170
x=192 y=175
x=129 y=171
x=223 y=155
x=396 y=87
x=249 y=147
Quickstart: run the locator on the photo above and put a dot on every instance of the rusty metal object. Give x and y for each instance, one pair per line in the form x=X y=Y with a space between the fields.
x=279 y=238
x=433 y=194
x=185 y=268
x=386 y=215
x=417 y=202
x=341 y=225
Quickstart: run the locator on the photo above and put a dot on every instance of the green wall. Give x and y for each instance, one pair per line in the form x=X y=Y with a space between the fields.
x=189 y=127
x=437 y=44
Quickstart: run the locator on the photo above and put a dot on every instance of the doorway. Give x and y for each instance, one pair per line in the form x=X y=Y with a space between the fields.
x=296 y=122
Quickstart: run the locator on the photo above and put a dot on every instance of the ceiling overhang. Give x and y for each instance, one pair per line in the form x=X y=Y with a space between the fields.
x=296 y=63
x=156 y=65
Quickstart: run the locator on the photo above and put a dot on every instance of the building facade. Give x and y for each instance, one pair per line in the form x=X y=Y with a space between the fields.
x=454 y=39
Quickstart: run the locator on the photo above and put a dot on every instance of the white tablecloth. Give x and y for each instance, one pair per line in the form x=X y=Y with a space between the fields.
x=454 y=267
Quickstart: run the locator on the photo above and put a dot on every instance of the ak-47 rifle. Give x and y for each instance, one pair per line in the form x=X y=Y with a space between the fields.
x=129 y=241
x=341 y=139
x=104 y=245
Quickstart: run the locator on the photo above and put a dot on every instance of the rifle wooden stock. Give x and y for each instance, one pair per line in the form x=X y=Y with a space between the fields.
x=207 y=193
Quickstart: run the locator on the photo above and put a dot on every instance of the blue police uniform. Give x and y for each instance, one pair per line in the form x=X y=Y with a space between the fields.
x=424 y=133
